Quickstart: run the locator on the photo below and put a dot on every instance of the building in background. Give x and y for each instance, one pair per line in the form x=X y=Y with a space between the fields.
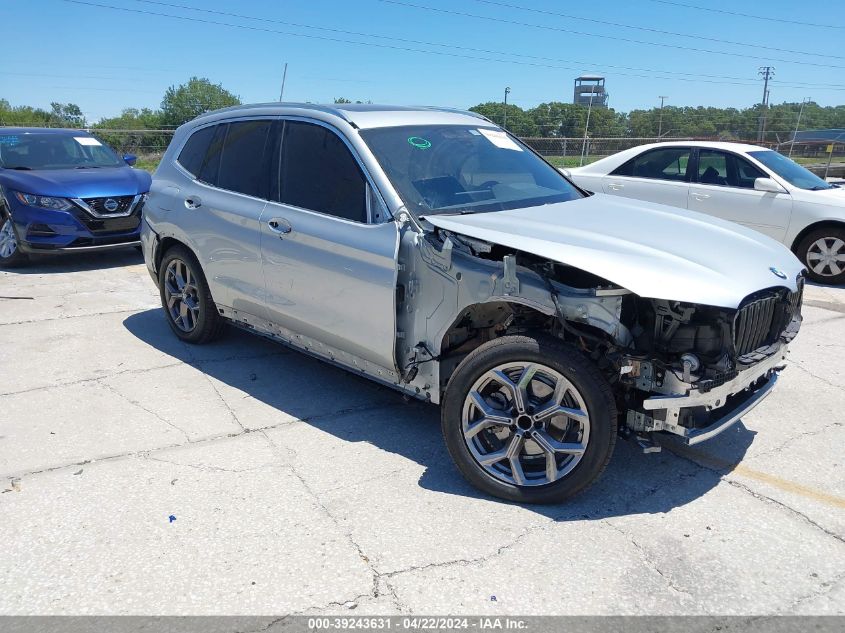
x=587 y=86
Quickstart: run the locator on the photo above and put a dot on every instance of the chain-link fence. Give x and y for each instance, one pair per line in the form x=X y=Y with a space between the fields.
x=149 y=145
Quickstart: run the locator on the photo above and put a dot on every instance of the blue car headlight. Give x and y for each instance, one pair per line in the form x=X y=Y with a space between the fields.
x=44 y=202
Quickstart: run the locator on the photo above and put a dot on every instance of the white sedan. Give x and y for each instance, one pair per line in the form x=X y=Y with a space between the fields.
x=747 y=184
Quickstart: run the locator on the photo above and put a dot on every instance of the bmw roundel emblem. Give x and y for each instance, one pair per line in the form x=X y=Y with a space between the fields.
x=111 y=206
x=778 y=273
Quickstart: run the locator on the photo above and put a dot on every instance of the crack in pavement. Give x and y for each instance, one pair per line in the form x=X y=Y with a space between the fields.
x=725 y=469
x=824 y=588
x=649 y=562
x=766 y=499
x=197 y=442
x=74 y=316
x=798 y=364
x=197 y=364
x=374 y=590
x=137 y=404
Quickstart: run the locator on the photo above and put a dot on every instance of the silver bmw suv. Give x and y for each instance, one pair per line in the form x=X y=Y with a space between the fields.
x=431 y=251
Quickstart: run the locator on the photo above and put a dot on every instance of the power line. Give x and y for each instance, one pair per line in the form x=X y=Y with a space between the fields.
x=651 y=30
x=599 y=35
x=426 y=43
x=748 y=15
x=686 y=78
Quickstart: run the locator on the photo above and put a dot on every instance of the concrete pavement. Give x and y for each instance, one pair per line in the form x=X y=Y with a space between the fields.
x=139 y=475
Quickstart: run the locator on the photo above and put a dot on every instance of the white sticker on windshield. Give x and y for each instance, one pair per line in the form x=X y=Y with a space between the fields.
x=86 y=140
x=500 y=139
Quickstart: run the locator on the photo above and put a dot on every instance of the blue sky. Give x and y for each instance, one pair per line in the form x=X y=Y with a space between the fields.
x=105 y=59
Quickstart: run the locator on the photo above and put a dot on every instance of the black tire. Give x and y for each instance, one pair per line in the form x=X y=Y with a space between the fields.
x=808 y=246
x=206 y=324
x=594 y=393
x=16 y=258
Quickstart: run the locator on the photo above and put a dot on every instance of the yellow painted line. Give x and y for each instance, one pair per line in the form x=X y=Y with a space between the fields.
x=782 y=484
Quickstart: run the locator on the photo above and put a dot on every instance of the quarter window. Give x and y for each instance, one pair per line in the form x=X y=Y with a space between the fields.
x=668 y=163
x=193 y=154
x=211 y=164
x=319 y=173
x=244 y=164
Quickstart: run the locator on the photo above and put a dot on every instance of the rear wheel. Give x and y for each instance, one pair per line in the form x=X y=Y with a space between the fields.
x=185 y=297
x=529 y=419
x=822 y=251
x=10 y=254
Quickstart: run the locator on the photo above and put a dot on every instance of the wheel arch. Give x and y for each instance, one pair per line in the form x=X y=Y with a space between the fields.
x=164 y=244
x=822 y=224
x=478 y=323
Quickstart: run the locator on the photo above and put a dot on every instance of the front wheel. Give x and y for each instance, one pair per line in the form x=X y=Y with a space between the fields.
x=529 y=419
x=10 y=254
x=822 y=251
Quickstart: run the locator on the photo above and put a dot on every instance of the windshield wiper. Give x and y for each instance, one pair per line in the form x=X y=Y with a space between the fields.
x=821 y=187
x=19 y=168
x=87 y=167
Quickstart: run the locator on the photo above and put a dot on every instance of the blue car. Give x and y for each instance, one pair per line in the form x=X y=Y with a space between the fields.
x=65 y=191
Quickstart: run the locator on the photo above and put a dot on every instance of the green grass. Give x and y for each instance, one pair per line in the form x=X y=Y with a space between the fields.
x=570 y=161
x=148 y=162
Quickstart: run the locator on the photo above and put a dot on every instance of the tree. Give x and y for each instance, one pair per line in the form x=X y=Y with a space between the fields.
x=138 y=142
x=519 y=122
x=68 y=114
x=183 y=103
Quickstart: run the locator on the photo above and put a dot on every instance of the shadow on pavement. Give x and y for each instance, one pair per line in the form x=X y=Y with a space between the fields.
x=78 y=262
x=291 y=382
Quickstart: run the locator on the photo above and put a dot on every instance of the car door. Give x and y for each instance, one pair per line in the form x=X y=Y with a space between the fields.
x=329 y=263
x=724 y=187
x=220 y=207
x=657 y=175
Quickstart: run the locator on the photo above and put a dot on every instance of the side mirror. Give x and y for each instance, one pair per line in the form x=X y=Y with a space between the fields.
x=130 y=159
x=768 y=185
x=565 y=172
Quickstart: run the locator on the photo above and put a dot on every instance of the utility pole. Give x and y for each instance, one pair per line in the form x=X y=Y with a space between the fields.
x=766 y=72
x=797 y=124
x=586 y=127
x=660 y=123
x=505 y=120
x=284 y=77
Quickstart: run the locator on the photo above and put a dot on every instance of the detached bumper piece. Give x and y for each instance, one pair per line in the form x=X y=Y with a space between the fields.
x=700 y=414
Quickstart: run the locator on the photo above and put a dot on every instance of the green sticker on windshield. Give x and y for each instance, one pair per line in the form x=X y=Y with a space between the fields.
x=419 y=142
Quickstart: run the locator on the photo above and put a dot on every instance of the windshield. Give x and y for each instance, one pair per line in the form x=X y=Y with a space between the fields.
x=462 y=169
x=790 y=171
x=44 y=150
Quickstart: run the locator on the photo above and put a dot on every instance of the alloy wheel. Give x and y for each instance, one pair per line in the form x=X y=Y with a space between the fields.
x=8 y=240
x=181 y=295
x=525 y=424
x=826 y=256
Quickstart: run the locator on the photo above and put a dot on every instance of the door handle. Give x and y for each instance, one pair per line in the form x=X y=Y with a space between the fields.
x=616 y=186
x=193 y=202
x=701 y=196
x=280 y=226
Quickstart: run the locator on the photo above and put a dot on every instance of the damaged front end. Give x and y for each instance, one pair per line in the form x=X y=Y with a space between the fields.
x=679 y=368
x=698 y=369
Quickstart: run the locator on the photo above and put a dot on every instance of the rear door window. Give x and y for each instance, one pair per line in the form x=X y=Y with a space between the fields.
x=244 y=163
x=319 y=173
x=667 y=163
